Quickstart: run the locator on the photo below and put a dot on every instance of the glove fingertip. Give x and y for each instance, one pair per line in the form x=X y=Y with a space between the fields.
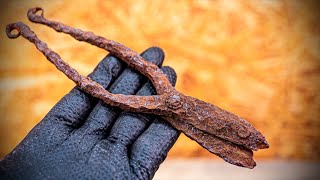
x=154 y=55
x=171 y=74
x=107 y=70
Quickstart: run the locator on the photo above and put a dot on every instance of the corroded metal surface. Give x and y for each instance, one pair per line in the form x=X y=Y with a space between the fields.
x=219 y=131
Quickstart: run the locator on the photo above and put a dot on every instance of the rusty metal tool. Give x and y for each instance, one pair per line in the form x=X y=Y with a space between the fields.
x=219 y=131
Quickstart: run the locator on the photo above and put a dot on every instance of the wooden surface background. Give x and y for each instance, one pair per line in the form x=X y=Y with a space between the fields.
x=257 y=59
x=204 y=169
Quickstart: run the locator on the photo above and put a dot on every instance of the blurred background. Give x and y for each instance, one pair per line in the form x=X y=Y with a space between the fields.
x=257 y=59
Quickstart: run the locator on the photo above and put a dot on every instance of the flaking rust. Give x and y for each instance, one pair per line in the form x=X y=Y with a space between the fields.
x=220 y=132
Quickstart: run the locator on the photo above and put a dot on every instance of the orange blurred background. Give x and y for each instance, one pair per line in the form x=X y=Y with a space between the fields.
x=257 y=59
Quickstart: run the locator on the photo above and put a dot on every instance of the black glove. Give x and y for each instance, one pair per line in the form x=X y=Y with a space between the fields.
x=81 y=137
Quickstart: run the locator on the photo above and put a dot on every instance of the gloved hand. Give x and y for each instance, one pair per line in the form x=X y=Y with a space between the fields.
x=81 y=137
